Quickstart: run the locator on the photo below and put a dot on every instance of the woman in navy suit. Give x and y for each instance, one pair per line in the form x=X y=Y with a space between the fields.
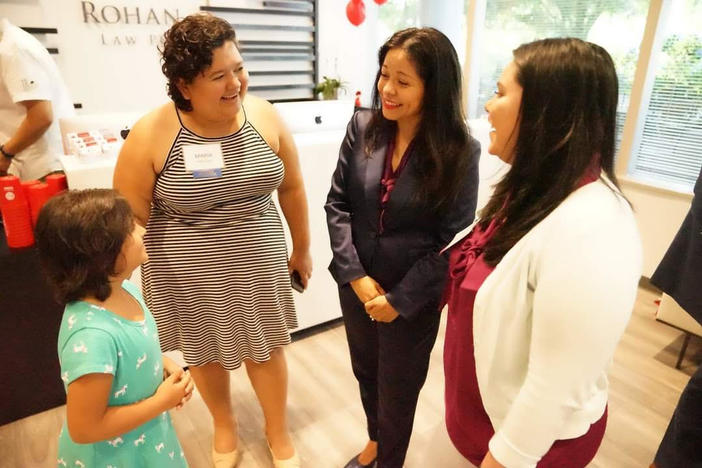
x=406 y=182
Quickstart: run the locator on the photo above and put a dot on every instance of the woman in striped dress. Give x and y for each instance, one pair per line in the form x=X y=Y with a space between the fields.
x=199 y=175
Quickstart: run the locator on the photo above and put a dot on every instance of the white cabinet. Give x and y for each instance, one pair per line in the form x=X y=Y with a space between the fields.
x=319 y=128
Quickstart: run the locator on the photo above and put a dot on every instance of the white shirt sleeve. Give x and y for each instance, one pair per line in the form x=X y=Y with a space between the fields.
x=25 y=77
x=586 y=274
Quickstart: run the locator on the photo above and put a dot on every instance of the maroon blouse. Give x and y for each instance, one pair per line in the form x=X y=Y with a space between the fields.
x=468 y=425
x=390 y=176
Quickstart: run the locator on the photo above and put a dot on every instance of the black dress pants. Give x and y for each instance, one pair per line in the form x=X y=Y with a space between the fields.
x=390 y=362
x=681 y=446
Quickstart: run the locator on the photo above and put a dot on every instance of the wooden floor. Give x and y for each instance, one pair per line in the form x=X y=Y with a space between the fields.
x=326 y=417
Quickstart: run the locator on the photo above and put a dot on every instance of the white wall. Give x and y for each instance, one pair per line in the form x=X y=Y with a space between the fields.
x=107 y=67
x=347 y=51
x=447 y=19
x=659 y=214
x=24 y=11
x=115 y=67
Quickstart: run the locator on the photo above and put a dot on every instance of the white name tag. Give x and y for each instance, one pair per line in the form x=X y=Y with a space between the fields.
x=203 y=158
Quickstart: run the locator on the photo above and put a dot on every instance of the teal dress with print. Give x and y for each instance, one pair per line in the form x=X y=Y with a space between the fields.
x=94 y=340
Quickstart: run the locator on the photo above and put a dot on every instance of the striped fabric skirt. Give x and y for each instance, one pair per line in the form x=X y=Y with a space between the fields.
x=219 y=292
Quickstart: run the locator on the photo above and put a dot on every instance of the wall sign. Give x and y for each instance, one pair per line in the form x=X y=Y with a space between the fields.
x=126 y=17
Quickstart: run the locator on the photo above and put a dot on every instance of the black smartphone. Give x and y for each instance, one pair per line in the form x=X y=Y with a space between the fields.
x=296 y=282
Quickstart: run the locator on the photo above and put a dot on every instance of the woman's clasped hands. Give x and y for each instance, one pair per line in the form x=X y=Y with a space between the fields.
x=372 y=295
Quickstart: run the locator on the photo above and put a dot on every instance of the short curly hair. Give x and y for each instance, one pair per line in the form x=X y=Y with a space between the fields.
x=80 y=234
x=186 y=50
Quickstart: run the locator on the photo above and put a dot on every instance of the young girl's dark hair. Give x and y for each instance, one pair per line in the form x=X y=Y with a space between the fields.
x=80 y=235
x=566 y=125
x=442 y=139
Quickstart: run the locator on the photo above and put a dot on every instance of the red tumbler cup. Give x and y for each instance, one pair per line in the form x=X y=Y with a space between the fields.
x=16 y=217
x=38 y=195
x=57 y=183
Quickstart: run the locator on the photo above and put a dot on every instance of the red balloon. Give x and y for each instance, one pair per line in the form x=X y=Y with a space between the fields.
x=380 y=2
x=356 y=12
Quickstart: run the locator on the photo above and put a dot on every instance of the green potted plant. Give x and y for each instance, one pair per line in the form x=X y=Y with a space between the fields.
x=329 y=87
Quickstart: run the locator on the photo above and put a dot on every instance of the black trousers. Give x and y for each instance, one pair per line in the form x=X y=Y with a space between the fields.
x=390 y=362
x=682 y=443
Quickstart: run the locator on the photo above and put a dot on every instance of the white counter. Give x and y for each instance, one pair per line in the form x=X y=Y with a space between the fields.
x=93 y=173
x=318 y=129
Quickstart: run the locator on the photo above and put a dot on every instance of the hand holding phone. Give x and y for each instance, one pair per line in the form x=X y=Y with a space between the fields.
x=296 y=282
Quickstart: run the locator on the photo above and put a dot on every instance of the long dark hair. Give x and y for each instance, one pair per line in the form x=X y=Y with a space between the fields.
x=80 y=235
x=442 y=136
x=566 y=126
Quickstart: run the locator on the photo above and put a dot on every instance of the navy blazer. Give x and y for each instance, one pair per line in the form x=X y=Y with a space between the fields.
x=405 y=258
x=680 y=272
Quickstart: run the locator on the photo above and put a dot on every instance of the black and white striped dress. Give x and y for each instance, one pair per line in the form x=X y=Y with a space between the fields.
x=217 y=279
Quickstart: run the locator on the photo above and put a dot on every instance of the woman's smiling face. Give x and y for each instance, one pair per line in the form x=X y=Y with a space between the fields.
x=503 y=114
x=218 y=91
x=400 y=88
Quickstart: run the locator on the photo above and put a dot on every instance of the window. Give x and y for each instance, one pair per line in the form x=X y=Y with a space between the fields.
x=616 y=25
x=668 y=144
x=394 y=16
x=398 y=14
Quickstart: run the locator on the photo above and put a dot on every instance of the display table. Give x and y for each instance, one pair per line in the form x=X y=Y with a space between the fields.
x=29 y=323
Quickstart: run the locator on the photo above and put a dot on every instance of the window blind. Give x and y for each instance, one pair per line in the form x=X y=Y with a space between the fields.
x=669 y=149
x=616 y=25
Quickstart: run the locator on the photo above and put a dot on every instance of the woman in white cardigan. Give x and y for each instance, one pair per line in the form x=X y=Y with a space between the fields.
x=541 y=287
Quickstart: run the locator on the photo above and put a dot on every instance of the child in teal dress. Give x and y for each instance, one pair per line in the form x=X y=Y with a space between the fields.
x=111 y=363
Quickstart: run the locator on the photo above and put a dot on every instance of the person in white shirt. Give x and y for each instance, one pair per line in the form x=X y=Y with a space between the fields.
x=542 y=286
x=33 y=97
